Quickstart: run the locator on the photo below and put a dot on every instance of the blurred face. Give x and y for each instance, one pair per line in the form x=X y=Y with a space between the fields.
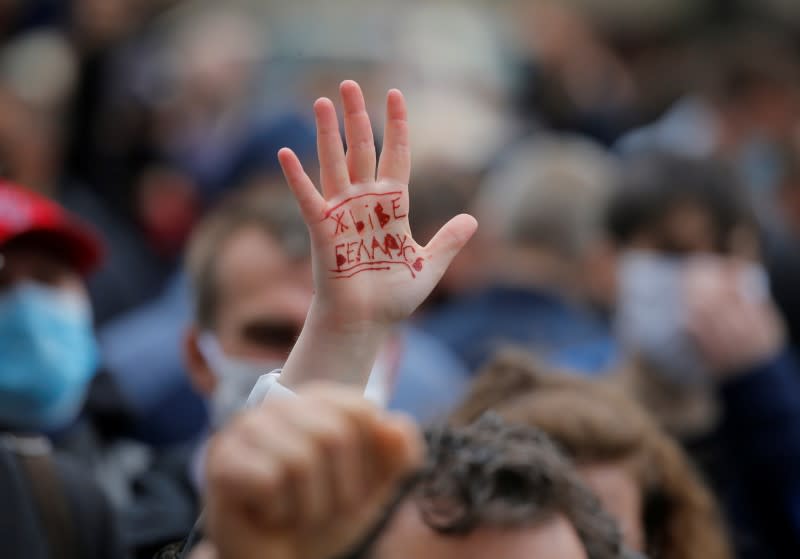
x=689 y=229
x=620 y=496
x=263 y=297
x=30 y=260
x=686 y=229
x=46 y=339
x=262 y=300
x=408 y=536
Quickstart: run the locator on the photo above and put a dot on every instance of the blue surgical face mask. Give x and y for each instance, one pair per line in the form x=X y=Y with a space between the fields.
x=48 y=355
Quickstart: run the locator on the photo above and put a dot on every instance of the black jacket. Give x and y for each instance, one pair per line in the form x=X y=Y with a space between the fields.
x=23 y=534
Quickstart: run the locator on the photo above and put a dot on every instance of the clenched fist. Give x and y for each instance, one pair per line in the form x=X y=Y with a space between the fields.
x=305 y=477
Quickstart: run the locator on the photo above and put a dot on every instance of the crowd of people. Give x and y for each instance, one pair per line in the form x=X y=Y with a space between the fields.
x=314 y=280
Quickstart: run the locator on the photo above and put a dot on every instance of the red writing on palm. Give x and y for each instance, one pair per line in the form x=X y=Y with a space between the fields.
x=377 y=245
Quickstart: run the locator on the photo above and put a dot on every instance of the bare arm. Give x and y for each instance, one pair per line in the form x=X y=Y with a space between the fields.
x=369 y=273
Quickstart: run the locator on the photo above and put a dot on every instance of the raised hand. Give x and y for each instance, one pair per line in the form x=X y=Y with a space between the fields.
x=366 y=263
x=288 y=484
x=731 y=317
x=369 y=273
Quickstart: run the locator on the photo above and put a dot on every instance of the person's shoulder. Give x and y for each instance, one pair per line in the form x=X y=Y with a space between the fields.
x=94 y=517
x=76 y=480
x=458 y=311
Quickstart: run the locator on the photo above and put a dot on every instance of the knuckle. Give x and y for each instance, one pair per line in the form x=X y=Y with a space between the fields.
x=300 y=460
x=333 y=434
x=363 y=145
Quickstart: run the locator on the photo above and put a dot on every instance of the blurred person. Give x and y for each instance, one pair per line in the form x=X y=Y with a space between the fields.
x=441 y=191
x=451 y=55
x=38 y=75
x=570 y=77
x=667 y=210
x=98 y=24
x=40 y=67
x=695 y=309
x=743 y=104
x=782 y=242
x=249 y=277
x=44 y=79
x=211 y=121
x=339 y=342
x=484 y=489
x=640 y=474
x=363 y=242
x=51 y=507
x=541 y=260
x=252 y=290
x=28 y=150
x=109 y=152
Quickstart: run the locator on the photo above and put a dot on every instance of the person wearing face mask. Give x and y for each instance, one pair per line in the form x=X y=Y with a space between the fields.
x=249 y=269
x=47 y=360
x=249 y=276
x=714 y=363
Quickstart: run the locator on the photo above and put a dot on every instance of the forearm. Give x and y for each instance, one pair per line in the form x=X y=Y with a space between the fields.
x=332 y=350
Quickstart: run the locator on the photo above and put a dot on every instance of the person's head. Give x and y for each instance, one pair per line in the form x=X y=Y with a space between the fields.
x=751 y=77
x=668 y=213
x=46 y=338
x=438 y=192
x=213 y=56
x=541 y=212
x=638 y=472
x=492 y=489
x=249 y=268
x=680 y=206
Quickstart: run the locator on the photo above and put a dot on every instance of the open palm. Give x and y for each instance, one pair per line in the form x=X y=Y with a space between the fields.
x=366 y=264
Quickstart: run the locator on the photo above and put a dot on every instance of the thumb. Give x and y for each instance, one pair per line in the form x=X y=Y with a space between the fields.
x=399 y=446
x=448 y=241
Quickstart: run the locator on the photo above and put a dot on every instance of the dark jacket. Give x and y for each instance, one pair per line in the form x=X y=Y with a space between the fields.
x=761 y=439
x=560 y=333
x=23 y=534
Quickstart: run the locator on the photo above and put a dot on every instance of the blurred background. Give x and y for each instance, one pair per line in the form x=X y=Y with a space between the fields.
x=141 y=116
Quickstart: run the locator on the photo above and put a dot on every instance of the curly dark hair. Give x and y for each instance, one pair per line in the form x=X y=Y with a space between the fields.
x=493 y=473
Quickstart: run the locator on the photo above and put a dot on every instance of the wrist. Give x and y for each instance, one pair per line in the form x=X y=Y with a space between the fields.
x=332 y=348
x=342 y=323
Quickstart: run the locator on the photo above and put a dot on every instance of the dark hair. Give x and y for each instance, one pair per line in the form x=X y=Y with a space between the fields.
x=653 y=186
x=738 y=61
x=492 y=473
x=270 y=209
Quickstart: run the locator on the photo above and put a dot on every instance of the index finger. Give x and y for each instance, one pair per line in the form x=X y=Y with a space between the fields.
x=395 y=161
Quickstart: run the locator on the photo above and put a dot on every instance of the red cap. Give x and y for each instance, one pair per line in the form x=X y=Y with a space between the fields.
x=23 y=211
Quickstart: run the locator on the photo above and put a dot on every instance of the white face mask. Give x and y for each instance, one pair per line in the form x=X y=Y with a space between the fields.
x=651 y=312
x=236 y=378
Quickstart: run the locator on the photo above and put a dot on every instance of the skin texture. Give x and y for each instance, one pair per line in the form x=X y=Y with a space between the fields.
x=263 y=299
x=310 y=485
x=409 y=536
x=355 y=308
x=733 y=331
x=618 y=491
